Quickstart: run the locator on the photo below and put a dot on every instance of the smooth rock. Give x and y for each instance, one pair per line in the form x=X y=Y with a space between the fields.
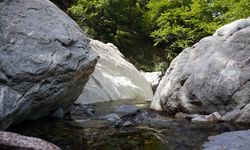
x=238 y=140
x=45 y=60
x=153 y=78
x=181 y=115
x=214 y=117
x=111 y=117
x=191 y=116
x=14 y=141
x=114 y=78
x=211 y=76
x=127 y=124
x=217 y=115
x=199 y=120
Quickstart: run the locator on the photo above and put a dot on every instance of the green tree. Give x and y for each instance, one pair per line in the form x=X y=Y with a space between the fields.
x=181 y=23
x=170 y=25
x=111 y=20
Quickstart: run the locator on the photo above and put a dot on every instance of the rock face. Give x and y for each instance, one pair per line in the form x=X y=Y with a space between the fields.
x=153 y=78
x=44 y=60
x=229 y=141
x=211 y=76
x=114 y=78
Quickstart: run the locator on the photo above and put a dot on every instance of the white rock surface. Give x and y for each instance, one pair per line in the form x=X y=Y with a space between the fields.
x=153 y=78
x=114 y=78
x=211 y=76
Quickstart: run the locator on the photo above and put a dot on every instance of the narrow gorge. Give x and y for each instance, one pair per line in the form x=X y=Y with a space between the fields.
x=61 y=89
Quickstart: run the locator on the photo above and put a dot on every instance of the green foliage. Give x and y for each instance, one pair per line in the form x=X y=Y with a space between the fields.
x=111 y=20
x=135 y=26
x=181 y=23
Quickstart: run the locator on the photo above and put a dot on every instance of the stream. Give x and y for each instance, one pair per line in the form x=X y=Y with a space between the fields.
x=149 y=130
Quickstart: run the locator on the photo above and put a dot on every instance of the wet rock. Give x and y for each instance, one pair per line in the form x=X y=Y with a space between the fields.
x=82 y=111
x=45 y=60
x=118 y=124
x=214 y=117
x=89 y=111
x=111 y=118
x=196 y=118
x=217 y=115
x=211 y=76
x=141 y=117
x=191 y=116
x=114 y=78
x=10 y=140
x=238 y=140
x=199 y=119
x=127 y=124
x=58 y=113
x=181 y=115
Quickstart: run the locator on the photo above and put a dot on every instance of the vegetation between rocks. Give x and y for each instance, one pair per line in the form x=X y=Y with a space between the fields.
x=150 y=33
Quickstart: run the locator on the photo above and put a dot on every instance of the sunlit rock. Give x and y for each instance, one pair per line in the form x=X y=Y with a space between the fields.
x=211 y=76
x=45 y=60
x=114 y=78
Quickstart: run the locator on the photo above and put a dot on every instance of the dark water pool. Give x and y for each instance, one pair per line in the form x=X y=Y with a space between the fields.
x=150 y=134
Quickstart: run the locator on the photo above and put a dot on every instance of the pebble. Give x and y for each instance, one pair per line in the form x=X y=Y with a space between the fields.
x=111 y=117
x=127 y=124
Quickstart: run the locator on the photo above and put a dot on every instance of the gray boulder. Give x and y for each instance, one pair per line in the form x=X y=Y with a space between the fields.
x=211 y=76
x=238 y=140
x=45 y=60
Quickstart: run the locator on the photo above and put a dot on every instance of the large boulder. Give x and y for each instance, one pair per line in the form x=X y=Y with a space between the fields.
x=114 y=78
x=45 y=60
x=211 y=76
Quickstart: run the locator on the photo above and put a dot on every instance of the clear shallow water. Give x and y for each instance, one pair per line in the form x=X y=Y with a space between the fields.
x=157 y=132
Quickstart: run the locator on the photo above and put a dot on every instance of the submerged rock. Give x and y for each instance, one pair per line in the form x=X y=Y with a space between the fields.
x=111 y=118
x=238 y=140
x=211 y=76
x=114 y=78
x=45 y=60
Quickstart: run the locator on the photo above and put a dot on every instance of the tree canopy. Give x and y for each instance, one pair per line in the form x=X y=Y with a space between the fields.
x=170 y=25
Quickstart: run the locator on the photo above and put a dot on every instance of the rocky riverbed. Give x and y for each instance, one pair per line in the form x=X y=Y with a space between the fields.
x=126 y=124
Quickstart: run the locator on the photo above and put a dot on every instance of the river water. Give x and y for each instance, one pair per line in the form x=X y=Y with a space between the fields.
x=150 y=130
